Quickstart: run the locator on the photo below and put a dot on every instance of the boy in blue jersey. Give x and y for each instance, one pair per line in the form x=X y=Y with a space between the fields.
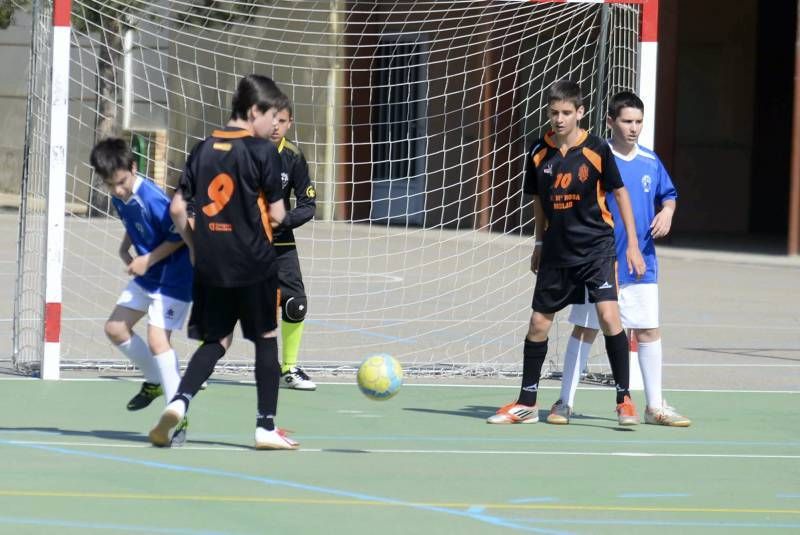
x=650 y=189
x=162 y=273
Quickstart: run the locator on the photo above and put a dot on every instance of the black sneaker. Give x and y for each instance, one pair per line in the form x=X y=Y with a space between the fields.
x=145 y=397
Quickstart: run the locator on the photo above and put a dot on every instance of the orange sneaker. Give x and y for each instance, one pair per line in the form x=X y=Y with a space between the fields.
x=514 y=413
x=626 y=412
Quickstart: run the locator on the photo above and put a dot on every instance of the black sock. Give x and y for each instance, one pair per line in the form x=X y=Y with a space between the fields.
x=199 y=369
x=618 y=357
x=268 y=376
x=533 y=356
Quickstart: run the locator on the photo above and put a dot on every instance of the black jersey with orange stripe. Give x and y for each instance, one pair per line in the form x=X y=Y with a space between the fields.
x=230 y=178
x=572 y=186
x=294 y=179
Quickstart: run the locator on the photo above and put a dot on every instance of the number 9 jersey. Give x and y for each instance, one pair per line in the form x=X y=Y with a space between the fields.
x=230 y=178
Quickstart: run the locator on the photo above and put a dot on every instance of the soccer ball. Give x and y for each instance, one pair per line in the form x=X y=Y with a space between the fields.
x=380 y=377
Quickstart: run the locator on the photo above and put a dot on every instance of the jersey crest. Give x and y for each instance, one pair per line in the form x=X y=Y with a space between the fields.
x=646 y=182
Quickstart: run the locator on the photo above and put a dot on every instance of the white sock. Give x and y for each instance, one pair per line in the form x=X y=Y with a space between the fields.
x=138 y=353
x=577 y=352
x=650 y=362
x=167 y=363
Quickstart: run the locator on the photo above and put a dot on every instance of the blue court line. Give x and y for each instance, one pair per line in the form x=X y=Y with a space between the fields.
x=488 y=519
x=666 y=523
x=14 y=521
x=789 y=496
x=653 y=495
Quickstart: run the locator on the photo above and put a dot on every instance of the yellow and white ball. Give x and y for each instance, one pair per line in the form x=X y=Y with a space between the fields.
x=380 y=377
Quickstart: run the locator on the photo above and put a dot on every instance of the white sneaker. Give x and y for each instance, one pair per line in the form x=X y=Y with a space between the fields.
x=296 y=379
x=172 y=415
x=666 y=415
x=274 y=440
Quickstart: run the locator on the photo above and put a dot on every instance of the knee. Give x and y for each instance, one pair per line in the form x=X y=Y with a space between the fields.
x=645 y=336
x=584 y=334
x=294 y=309
x=539 y=327
x=117 y=331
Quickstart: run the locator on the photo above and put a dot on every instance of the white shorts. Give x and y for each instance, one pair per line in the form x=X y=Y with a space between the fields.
x=638 y=308
x=162 y=311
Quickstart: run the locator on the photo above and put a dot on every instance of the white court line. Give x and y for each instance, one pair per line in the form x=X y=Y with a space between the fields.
x=187 y=447
x=509 y=322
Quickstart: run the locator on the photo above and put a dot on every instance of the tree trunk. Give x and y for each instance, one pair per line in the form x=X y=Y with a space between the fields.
x=110 y=55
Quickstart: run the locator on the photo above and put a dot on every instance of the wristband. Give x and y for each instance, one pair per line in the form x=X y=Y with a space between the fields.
x=537 y=243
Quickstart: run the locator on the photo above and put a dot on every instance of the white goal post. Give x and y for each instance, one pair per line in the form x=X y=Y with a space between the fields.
x=414 y=117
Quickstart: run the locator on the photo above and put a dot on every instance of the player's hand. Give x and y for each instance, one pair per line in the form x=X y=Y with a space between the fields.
x=635 y=262
x=138 y=266
x=536 y=257
x=662 y=223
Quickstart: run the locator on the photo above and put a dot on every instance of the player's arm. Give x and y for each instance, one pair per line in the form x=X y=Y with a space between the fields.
x=180 y=217
x=142 y=263
x=662 y=222
x=125 y=249
x=539 y=226
x=277 y=212
x=304 y=193
x=633 y=255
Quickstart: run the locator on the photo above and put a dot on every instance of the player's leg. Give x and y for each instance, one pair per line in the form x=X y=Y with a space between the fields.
x=639 y=309
x=213 y=317
x=553 y=292
x=131 y=307
x=584 y=319
x=294 y=307
x=259 y=325
x=576 y=356
x=166 y=314
x=600 y=279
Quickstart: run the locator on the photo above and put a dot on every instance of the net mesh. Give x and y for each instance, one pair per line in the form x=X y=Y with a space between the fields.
x=414 y=118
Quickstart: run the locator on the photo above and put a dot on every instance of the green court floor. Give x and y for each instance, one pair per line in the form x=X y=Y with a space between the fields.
x=75 y=461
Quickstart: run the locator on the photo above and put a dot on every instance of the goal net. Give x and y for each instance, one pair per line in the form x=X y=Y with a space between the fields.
x=414 y=118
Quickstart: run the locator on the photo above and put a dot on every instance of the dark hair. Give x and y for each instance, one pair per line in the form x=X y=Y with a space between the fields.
x=624 y=99
x=111 y=155
x=284 y=103
x=254 y=90
x=565 y=90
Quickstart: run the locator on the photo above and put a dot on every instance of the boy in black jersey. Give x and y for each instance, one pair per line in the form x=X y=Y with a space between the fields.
x=294 y=304
x=569 y=173
x=232 y=182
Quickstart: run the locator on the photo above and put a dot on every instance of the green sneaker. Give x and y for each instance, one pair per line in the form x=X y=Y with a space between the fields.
x=145 y=397
x=179 y=435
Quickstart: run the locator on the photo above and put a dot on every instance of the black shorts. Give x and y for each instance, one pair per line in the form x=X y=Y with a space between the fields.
x=289 y=275
x=557 y=287
x=216 y=310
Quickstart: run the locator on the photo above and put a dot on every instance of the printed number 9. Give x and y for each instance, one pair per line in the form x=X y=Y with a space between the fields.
x=220 y=191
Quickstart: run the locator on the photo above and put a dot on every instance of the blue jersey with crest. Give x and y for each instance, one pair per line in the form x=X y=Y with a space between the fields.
x=146 y=218
x=648 y=185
